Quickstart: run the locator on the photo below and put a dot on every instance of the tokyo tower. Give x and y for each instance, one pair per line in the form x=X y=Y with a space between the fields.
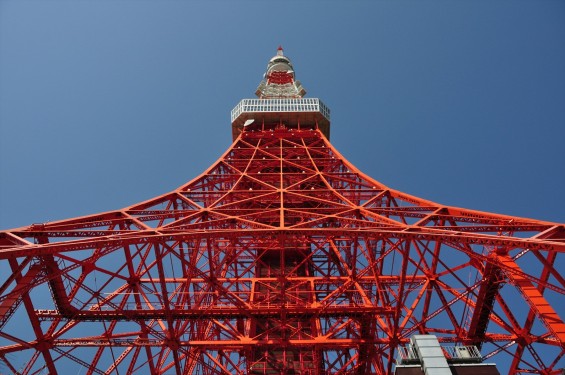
x=281 y=258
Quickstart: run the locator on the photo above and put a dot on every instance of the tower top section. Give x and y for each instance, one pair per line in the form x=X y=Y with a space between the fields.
x=279 y=79
x=281 y=103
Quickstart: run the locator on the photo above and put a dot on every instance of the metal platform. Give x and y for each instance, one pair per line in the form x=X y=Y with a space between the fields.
x=292 y=113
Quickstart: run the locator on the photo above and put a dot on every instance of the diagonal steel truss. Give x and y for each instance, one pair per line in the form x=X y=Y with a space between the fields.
x=282 y=257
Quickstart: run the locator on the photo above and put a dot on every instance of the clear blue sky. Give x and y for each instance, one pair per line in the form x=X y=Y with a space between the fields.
x=107 y=103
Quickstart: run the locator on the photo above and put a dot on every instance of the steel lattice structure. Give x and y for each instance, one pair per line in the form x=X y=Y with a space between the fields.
x=281 y=258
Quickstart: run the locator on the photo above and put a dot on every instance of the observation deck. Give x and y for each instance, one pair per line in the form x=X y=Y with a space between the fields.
x=298 y=113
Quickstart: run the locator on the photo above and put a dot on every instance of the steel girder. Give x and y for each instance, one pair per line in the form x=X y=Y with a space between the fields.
x=282 y=257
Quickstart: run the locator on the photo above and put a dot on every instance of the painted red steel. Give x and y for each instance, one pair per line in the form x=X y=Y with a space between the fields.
x=279 y=78
x=281 y=258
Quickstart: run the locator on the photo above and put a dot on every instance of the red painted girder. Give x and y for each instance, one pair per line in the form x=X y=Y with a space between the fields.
x=216 y=311
x=382 y=279
x=108 y=220
x=523 y=343
x=412 y=233
x=12 y=300
x=215 y=343
x=539 y=305
x=42 y=339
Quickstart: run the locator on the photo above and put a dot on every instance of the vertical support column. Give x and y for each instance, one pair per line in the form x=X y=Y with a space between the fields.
x=431 y=355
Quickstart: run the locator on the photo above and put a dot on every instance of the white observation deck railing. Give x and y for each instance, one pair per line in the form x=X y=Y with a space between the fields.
x=280 y=105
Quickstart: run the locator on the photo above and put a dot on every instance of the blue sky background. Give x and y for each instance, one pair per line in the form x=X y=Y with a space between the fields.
x=107 y=103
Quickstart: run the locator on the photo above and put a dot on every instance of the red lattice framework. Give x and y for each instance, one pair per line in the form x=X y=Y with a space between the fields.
x=281 y=258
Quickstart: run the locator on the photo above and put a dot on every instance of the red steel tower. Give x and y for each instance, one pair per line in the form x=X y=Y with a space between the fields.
x=281 y=258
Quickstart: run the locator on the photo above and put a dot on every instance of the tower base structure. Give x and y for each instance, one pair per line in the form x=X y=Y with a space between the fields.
x=281 y=258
